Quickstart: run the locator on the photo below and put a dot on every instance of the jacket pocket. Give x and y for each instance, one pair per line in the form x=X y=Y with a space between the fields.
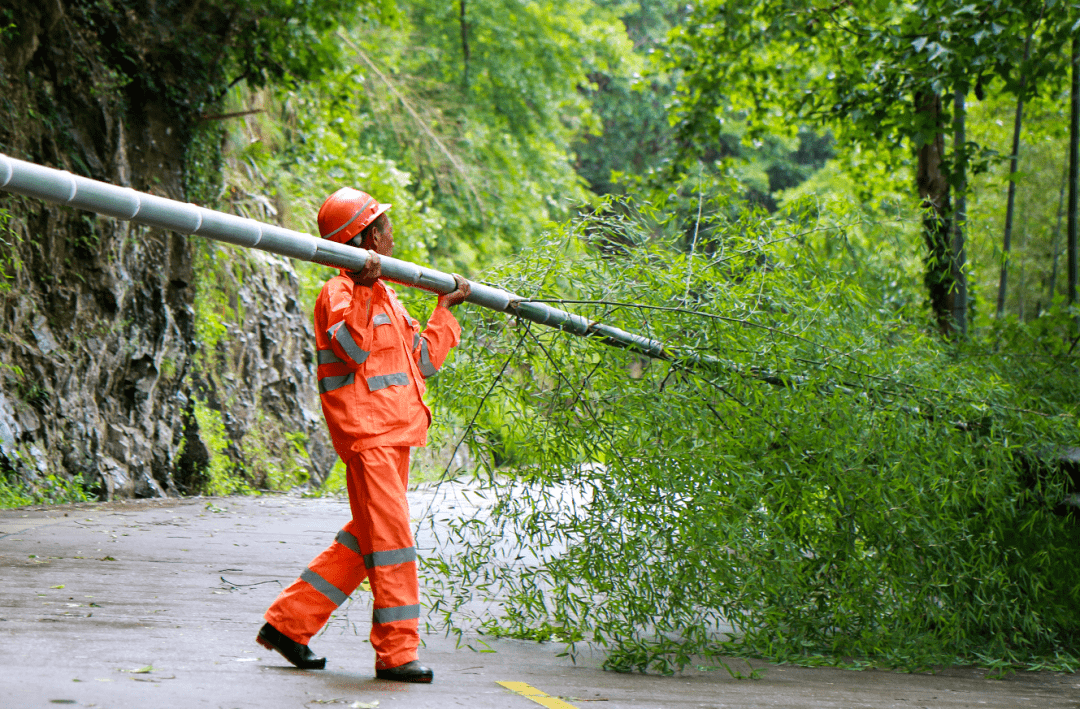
x=387 y=387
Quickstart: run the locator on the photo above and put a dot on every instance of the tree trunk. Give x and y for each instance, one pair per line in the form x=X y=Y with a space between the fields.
x=1010 y=208
x=959 y=252
x=934 y=191
x=1003 y=281
x=1055 y=248
x=1021 y=250
x=1074 y=164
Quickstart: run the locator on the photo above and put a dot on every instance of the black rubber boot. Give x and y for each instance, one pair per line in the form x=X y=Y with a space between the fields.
x=409 y=672
x=300 y=655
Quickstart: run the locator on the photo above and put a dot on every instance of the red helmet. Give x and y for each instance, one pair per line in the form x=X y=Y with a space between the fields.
x=346 y=213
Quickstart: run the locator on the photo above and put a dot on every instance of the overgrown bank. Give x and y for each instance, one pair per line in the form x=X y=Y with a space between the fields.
x=135 y=362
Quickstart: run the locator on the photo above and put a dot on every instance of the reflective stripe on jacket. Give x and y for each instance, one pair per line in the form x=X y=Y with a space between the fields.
x=373 y=359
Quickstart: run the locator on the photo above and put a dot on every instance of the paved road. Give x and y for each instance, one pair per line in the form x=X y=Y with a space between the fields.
x=124 y=605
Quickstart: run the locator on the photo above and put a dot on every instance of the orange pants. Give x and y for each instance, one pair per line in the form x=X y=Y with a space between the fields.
x=376 y=544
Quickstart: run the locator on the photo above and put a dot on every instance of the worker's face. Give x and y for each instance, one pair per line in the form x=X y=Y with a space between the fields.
x=384 y=240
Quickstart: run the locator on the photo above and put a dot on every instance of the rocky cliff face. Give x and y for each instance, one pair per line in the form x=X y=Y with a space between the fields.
x=133 y=359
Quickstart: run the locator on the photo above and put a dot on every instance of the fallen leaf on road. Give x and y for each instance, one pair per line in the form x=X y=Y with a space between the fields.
x=58 y=586
x=106 y=558
x=141 y=670
x=363 y=705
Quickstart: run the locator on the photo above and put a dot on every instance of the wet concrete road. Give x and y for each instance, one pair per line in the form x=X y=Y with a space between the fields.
x=156 y=604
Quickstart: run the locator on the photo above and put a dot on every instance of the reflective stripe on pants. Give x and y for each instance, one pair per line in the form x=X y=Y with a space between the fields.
x=380 y=534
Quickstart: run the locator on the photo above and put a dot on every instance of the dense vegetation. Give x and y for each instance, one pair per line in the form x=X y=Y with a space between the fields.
x=851 y=456
x=836 y=484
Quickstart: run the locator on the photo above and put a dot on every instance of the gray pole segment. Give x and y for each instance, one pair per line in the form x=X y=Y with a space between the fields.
x=125 y=203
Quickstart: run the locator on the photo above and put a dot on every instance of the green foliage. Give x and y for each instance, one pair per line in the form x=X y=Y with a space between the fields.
x=858 y=68
x=634 y=136
x=473 y=155
x=879 y=76
x=57 y=490
x=335 y=483
x=521 y=61
x=10 y=262
x=544 y=633
x=7 y=26
x=49 y=490
x=12 y=494
x=25 y=386
x=1037 y=260
x=203 y=165
x=220 y=473
x=282 y=468
x=188 y=54
x=213 y=309
x=263 y=455
x=834 y=483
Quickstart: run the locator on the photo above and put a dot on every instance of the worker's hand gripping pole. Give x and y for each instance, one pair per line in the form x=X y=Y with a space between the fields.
x=125 y=203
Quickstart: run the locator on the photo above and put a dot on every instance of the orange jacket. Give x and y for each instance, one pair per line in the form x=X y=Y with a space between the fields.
x=372 y=363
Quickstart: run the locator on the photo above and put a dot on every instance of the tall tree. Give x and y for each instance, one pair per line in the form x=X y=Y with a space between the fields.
x=873 y=72
x=933 y=186
x=1055 y=248
x=959 y=251
x=1074 y=168
x=1014 y=157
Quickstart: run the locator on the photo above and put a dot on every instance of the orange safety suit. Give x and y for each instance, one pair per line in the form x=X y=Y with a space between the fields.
x=373 y=359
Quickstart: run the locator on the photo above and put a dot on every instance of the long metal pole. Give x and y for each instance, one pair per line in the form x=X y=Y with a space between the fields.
x=65 y=188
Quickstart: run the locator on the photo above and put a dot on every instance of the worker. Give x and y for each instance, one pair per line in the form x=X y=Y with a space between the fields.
x=372 y=359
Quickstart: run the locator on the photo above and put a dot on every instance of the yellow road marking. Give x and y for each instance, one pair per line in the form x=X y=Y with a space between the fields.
x=541 y=698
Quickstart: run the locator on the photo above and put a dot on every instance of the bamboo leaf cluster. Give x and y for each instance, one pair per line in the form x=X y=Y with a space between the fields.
x=839 y=485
